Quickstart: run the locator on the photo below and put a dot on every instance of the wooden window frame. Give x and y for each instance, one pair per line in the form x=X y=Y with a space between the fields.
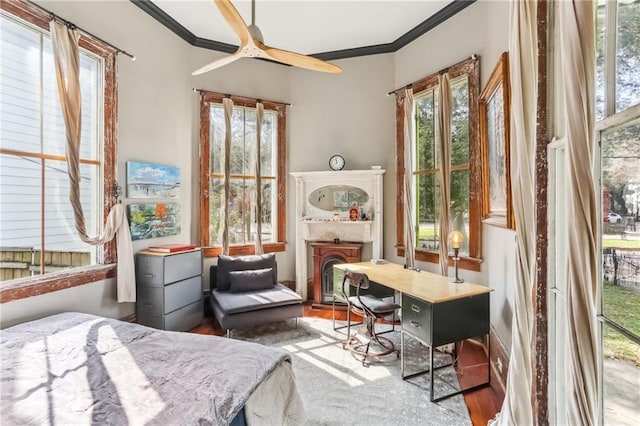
x=470 y=67
x=42 y=284
x=206 y=99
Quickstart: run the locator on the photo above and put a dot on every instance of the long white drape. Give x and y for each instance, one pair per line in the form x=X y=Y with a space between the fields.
x=67 y=63
x=576 y=22
x=409 y=230
x=523 y=66
x=258 y=172
x=227 y=105
x=444 y=126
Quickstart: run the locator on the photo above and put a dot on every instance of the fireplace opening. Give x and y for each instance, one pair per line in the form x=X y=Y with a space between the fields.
x=325 y=255
x=327 y=277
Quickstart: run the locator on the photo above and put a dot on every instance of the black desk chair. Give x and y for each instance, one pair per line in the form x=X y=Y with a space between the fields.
x=365 y=342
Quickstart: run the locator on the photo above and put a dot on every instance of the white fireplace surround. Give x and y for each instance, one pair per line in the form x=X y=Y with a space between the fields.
x=314 y=224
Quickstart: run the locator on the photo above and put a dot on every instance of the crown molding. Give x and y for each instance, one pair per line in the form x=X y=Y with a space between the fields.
x=425 y=26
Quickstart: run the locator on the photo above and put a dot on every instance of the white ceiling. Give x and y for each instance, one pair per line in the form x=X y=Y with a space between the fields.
x=308 y=26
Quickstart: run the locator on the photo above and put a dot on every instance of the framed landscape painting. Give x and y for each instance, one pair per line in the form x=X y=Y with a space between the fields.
x=146 y=180
x=153 y=220
x=494 y=136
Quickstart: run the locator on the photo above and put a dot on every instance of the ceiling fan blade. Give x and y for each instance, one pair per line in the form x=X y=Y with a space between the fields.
x=298 y=60
x=235 y=21
x=218 y=63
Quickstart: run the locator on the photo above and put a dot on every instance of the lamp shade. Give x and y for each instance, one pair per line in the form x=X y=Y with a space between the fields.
x=455 y=238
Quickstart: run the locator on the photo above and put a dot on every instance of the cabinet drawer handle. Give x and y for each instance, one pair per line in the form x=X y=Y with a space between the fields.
x=149 y=275
x=416 y=324
x=415 y=308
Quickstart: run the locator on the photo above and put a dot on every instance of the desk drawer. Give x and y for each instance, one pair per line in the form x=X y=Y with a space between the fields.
x=417 y=317
x=447 y=322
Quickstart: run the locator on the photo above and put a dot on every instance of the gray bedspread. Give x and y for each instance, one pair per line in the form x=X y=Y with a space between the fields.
x=73 y=368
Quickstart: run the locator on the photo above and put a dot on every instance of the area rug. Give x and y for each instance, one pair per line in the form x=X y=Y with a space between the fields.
x=338 y=390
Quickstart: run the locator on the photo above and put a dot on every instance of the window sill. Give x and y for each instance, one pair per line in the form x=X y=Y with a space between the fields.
x=468 y=263
x=48 y=283
x=244 y=249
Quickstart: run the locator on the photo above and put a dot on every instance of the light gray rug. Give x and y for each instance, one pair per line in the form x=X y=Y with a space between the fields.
x=337 y=390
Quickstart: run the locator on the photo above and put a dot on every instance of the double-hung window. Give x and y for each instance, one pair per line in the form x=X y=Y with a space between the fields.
x=618 y=133
x=37 y=229
x=464 y=207
x=243 y=214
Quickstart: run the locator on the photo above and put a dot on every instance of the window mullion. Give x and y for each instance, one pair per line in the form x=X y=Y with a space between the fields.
x=610 y=58
x=42 y=161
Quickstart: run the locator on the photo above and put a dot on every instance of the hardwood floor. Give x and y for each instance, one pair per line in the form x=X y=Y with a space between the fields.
x=483 y=404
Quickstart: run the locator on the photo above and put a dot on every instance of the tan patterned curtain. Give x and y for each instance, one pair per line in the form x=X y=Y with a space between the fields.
x=258 y=172
x=67 y=63
x=523 y=69
x=576 y=24
x=409 y=219
x=444 y=125
x=227 y=105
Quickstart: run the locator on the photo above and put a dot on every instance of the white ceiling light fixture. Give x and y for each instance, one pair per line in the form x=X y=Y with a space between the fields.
x=252 y=45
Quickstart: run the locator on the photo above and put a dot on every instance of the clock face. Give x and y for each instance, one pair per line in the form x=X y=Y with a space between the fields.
x=336 y=162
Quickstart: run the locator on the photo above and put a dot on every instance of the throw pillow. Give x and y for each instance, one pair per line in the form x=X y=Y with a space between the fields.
x=226 y=264
x=251 y=280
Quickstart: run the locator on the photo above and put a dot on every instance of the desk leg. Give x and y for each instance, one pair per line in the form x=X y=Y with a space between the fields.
x=431 y=372
x=432 y=369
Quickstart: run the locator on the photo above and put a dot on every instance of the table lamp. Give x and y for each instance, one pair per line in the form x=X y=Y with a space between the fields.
x=455 y=239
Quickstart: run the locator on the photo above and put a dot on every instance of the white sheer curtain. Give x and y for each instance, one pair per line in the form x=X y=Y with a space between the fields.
x=67 y=63
x=227 y=105
x=259 y=115
x=409 y=219
x=444 y=126
x=576 y=24
x=523 y=69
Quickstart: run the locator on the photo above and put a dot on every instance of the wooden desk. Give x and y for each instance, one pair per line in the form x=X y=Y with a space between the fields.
x=435 y=311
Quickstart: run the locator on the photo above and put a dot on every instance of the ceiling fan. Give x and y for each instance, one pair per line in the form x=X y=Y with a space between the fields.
x=252 y=45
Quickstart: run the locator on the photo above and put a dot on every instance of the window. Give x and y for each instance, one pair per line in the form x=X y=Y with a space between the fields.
x=242 y=210
x=465 y=165
x=618 y=109
x=37 y=228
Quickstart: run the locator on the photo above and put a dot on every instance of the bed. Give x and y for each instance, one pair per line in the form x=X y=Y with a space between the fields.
x=75 y=369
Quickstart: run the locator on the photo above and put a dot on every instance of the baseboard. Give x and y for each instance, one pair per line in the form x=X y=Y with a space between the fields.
x=130 y=318
x=498 y=356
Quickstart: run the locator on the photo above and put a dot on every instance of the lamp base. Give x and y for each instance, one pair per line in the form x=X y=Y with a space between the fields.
x=457 y=280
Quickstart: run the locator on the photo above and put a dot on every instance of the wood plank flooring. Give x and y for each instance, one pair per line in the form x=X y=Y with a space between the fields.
x=483 y=404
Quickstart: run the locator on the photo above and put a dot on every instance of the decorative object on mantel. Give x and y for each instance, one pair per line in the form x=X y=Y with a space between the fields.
x=252 y=45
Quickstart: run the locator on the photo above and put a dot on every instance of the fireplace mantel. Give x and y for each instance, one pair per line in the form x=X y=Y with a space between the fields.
x=314 y=224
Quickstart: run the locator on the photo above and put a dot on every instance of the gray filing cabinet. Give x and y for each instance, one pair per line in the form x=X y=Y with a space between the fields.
x=169 y=289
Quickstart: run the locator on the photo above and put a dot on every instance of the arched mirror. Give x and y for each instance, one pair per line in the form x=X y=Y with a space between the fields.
x=338 y=197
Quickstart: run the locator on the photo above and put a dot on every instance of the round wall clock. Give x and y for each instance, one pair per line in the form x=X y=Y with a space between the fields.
x=336 y=162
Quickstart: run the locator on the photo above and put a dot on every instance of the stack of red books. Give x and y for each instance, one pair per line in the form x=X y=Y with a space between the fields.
x=171 y=248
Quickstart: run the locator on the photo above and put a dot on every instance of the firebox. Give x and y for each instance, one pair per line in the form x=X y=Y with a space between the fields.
x=325 y=255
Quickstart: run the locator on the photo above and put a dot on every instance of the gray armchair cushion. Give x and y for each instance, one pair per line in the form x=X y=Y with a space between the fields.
x=254 y=279
x=227 y=264
x=234 y=303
